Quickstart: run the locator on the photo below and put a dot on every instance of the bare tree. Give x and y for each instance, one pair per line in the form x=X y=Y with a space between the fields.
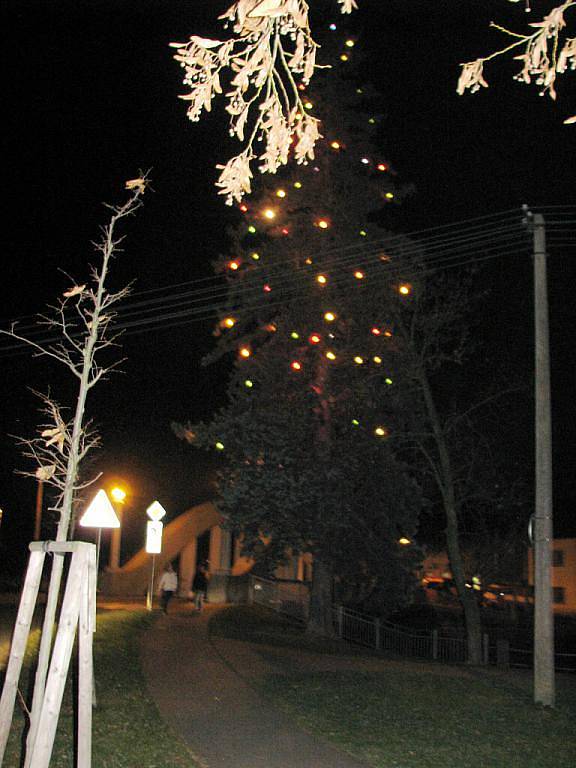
x=81 y=324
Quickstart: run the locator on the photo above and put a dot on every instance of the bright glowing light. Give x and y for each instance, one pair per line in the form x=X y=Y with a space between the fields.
x=382 y=167
x=335 y=145
x=380 y=431
x=404 y=289
x=362 y=233
x=358 y=360
x=156 y=511
x=389 y=195
x=269 y=214
x=323 y=223
x=248 y=384
x=271 y=327
x=285 y=230
x=228 y=322
x=329 y=317
x=371 y=121
x=344 y=57
x=298 y=185
x=388 y=381
x=322 y=279
x=243 y=207
x=377 y=359
x=294 y=335
x=332 y=27
x=252 y=229
x=280 y=193
x=118 y=494
x=266 y=288
x=245 y=352
x=314 y=338
x=295 y=365
x=308 y=261
x=404 y=541
x=376 y=331
x=219 y=446
x=359 y=275
x=365 y=161
x=330 y=355
x=255 y=256
x=234 y=265
x=355 y=422
x=308 y=105
x=349 y=43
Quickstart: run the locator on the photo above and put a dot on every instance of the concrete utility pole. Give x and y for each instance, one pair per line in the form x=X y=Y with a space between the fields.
x=543 y=532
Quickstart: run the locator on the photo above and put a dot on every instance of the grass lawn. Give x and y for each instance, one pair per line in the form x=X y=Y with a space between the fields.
x=127 y=729
x=418 y=715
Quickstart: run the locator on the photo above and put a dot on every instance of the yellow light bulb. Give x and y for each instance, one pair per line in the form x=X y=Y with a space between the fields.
x=404 y=289
x=228 y=322
x=380 y=432
x=280 y=193
x=377 y=359
x=358 y=360
x=255 y=256
x=329 y=317
x=350 y=43
x=359 y=275
x=269 y=214
x=322 y=279
x=330 y=355
x=298 y=185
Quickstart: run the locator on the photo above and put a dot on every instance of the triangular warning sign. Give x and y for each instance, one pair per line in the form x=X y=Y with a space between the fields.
x=100 y=513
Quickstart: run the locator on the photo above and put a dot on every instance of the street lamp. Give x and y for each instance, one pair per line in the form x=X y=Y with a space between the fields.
x=119 y=496
x=153 y=542
x=99 y=514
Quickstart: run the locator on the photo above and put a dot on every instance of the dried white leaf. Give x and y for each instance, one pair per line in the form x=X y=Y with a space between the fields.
x=76 y=290
x=45 y=473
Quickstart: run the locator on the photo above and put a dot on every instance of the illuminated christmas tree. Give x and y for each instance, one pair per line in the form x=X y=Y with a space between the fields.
x=311 y=281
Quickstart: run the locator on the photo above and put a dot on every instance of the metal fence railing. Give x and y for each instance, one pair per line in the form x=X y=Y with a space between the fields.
x=292 y=598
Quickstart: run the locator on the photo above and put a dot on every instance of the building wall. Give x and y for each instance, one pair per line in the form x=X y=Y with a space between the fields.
x=563 y=574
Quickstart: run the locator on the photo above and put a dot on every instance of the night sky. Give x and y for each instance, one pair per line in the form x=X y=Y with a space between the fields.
x=90 y=97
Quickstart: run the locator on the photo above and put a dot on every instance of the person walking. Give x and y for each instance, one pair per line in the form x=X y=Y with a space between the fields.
x=199 y=587
x=167 y=586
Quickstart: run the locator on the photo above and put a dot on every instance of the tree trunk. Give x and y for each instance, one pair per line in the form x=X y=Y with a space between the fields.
x=320 y=613
x=445 y=480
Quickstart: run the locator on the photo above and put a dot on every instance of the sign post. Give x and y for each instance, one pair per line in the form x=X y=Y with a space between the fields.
x=154 y=528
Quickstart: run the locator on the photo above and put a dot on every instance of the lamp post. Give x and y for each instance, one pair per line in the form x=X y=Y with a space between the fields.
x=119 y=496
x=99 y=514
x=153 y=543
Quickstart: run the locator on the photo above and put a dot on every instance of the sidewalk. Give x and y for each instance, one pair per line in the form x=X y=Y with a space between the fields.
x=202 y=687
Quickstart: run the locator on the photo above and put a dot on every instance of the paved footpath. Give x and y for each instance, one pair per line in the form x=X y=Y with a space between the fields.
x=202 y=687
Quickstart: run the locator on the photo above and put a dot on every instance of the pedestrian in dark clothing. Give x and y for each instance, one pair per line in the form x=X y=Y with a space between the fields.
x=167 y=586
x=199 y=587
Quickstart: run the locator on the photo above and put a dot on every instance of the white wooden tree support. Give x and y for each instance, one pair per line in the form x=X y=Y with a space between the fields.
x=78 y=610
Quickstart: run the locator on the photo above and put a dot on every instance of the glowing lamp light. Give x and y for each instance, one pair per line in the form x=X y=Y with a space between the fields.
x=365 y=161
x=377 y=360
x=359 y=275
x=294 y=335
x=298 y=185
x=267 y=288
x=371 y=121
x=248 y=384
x=285 y=231
x=228 y=322
x=118 y=494
x=355 y=422
x=271 y=327
x=308 y=261
x=404 y=289
x=322 y=279
x=252 y=229
x=245 y=352
x=376 y=331
x=280 y=193
x=349 y=43
x=323 y=223
x=388 y=334
x=219 y=446
x=234 y=265
x=382 y=167
x=295 y=365
x=100 y=513
x=404 y=541
x=269 y=214
x=329 y=317
x=255 y=256
x=344 y=57
x=243 y=207
x=389 y=196
x=362 y=233
x=358 y=360
x=380 y=431
x=388 y=381
x=335 y=144
x=308 y=105
x=332 y=27
x=314 y=338
x=330 y=355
